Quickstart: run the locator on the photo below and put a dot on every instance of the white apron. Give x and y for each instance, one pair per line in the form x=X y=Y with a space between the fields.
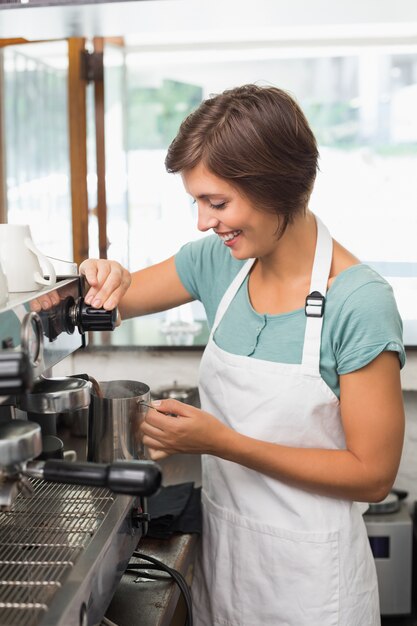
x=273 y=554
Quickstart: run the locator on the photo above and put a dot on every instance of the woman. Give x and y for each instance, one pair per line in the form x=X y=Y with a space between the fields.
x=302 y=413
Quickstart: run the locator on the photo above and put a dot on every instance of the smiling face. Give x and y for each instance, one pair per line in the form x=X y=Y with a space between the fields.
x=247 y=232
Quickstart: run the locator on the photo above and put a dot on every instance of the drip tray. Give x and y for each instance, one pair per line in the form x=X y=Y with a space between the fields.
x=62 y=553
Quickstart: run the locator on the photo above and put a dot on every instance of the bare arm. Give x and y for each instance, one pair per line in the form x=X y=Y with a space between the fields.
x=373 y=420
x=153 y=289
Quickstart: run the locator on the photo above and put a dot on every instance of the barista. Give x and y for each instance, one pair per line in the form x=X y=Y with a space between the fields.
x=302 y=413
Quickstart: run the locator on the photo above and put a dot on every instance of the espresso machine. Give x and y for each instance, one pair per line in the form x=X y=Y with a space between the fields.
x=67 y=528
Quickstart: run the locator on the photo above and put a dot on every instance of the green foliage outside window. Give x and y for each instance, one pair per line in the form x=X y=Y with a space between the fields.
x=155 y=114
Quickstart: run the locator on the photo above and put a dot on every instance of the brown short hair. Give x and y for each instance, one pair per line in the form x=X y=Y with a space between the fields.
x=258 y=139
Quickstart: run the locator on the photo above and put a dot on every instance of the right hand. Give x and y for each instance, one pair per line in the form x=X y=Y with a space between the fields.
x=156 y=455
x=108 y=281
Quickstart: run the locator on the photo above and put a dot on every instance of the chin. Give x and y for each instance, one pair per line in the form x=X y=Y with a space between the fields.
x=240 y=255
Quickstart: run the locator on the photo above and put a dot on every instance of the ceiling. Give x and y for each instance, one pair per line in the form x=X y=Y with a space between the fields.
x=182 y=22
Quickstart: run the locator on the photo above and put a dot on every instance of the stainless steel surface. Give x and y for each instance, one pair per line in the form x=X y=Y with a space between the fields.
x=53 y=550
x=115 y=418
x=11 y=486
x=35 y=470
x=20 y=441
x=183 y=393
x=19 y=331
x=31 y=338
x=56 y=395
x=78 y=421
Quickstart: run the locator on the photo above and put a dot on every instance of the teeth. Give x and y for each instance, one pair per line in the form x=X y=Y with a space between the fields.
x=229 y=236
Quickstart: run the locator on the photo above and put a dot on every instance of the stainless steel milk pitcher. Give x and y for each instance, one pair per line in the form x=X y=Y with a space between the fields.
x=116 y=410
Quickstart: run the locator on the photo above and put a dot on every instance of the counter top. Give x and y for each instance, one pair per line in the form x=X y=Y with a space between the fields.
x=160 y=603
x=150 y=602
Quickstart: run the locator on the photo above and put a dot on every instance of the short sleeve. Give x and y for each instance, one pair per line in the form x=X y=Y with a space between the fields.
x=185 y=263
x=369 y=324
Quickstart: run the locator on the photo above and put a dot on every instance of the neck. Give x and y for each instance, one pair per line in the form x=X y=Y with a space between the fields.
x=293 y=255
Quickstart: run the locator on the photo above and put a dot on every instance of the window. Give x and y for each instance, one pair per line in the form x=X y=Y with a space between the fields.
x=360 y=102
x=37 y=145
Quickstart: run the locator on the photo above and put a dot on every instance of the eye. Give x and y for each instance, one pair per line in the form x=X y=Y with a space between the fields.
x=218 y=206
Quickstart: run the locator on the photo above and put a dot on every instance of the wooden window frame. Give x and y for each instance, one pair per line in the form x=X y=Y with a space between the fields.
x=77 y=129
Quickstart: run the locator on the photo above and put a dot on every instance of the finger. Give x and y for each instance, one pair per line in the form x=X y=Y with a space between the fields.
x=149 y=429
x=35 y=305
x=118 y=293
x=88 y=269
x=104 y=284
x=150 y=442
x=115 y=297
x=175 y=407
x=114 y=287
x=157 y=455
x=104 y=269
x=159 y=420
x=46 y=302
x=88 y=298
x=55 y=297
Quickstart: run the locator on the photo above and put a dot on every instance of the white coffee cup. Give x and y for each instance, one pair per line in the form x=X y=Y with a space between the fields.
x=21 y=260
x=4 y=288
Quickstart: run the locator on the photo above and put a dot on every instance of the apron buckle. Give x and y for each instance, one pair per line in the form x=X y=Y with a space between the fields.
x=314 y=306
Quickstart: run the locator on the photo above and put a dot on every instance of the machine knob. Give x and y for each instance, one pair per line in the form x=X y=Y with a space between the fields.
x=15 y=373
x=89 y=318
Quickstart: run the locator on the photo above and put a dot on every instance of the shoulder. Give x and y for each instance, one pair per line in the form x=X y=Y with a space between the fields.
x=342 y=260
x=365 y=318
x=355 y=277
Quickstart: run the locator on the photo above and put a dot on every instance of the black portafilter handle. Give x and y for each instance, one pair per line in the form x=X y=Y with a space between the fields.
x=134 y=478
x=88 y=318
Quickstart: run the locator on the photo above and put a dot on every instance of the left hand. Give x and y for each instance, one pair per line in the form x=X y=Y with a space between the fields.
x=45 y=301
x=175 y=427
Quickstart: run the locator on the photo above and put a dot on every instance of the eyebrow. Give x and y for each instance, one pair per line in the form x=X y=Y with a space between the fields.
x=204 y=196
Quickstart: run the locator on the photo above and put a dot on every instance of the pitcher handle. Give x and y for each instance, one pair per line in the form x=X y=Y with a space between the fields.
x=43 y=261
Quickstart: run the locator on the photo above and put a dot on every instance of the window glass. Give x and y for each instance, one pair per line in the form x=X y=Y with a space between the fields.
x=117 y=136
x=36 y=144
x=361 y=105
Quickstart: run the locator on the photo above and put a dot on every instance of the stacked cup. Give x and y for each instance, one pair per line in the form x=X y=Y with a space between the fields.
x=21 y=262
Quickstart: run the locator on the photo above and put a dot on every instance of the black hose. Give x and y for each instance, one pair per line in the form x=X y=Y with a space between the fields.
x=162 y=567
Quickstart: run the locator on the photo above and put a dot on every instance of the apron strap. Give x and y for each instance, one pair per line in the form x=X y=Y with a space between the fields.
x=315 y=301
x=230 y=293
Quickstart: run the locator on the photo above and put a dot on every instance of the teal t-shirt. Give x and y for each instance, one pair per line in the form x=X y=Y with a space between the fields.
x=361 y=318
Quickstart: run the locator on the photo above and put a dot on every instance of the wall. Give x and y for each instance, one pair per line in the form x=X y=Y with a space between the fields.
x=409 y=373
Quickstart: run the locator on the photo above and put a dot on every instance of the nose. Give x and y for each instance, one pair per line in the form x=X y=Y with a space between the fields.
x=206 y=219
